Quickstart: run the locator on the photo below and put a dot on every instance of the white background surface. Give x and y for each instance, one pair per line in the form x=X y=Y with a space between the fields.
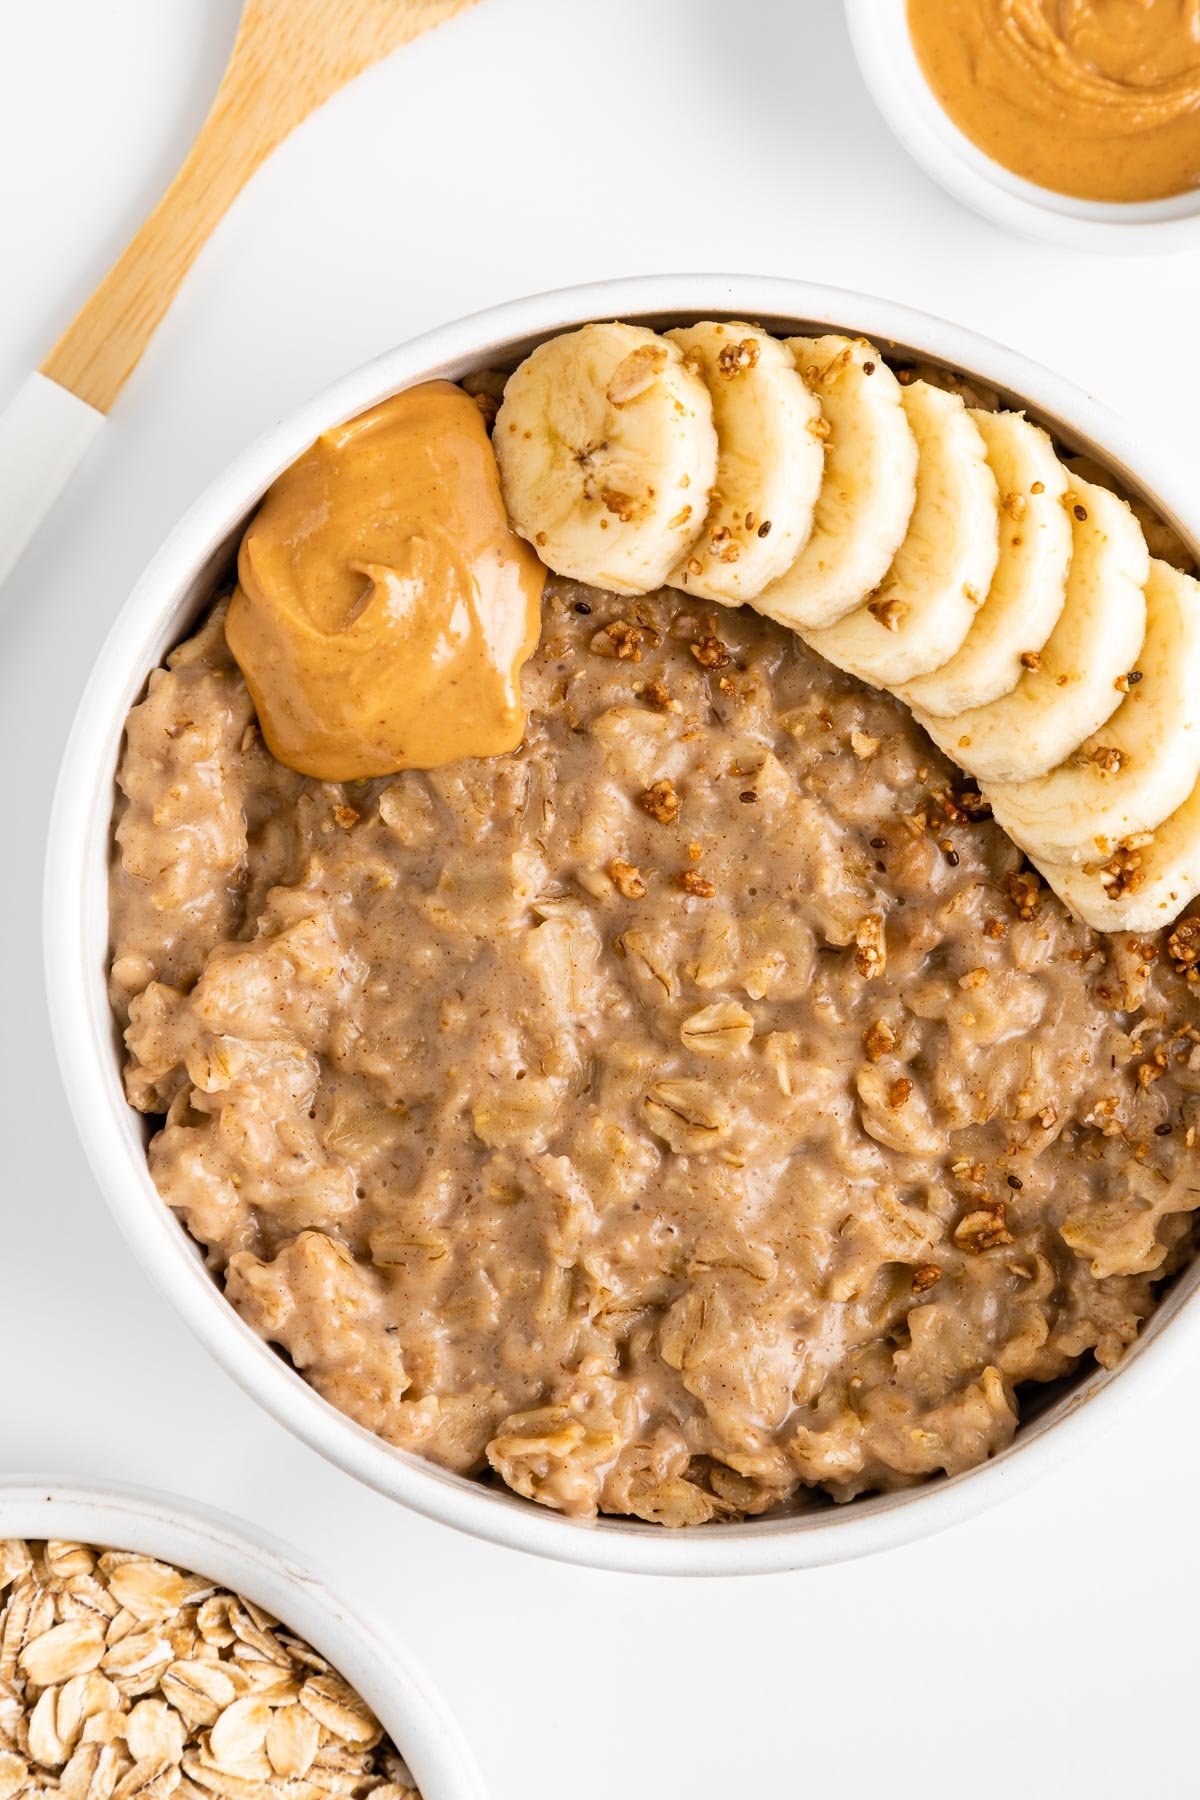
x=1046 y=1646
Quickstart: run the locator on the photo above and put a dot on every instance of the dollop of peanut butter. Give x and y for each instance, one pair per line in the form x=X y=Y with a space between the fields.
x=1096 y=98
x=384 y=606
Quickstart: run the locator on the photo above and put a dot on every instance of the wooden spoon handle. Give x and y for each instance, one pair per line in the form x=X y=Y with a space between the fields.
x=278 y=73
x=101 y=346
x=288 y=57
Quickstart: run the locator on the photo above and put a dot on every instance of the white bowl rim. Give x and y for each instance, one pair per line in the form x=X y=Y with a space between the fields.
x=82 y=1026
x=211 y=1543
x=888 y=63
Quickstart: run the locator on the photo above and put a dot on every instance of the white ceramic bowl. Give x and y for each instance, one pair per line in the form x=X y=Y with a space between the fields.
x=880 y=36
x=175 y=588
x=208 y=1543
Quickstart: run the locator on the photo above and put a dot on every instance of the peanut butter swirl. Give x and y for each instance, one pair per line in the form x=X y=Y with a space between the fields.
x=1098 y=98
x=384 y=607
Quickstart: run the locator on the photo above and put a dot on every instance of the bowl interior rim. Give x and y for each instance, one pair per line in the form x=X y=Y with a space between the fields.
x=76 y=914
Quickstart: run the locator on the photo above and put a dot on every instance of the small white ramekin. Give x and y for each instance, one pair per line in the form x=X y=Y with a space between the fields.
x=880 y=36
x=173 y=591
x=208 y=1543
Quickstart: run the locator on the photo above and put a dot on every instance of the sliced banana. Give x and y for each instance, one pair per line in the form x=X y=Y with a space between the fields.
x=1029 y=587
x=929 y=597
x=1074 y=690
x=1138 y=768
x=607 y=453
x=1162 y=539
x=1145 y=884
x=770 y=456
x=870 y=484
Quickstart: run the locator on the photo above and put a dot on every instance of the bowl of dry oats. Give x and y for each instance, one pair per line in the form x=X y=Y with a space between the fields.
x=151 y=1647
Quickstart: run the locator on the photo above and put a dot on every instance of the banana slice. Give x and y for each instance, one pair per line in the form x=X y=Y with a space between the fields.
x=942 y=571
x=1162 y=539
x=1137 y=769
x=607 y=453
x=770 y=455
x=1074 y=690
x=1144 y=885
x=866 y=498
x=1029 y=587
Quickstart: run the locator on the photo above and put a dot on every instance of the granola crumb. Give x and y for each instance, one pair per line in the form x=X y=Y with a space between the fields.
x=627 y=879
x=656 y=693
x=1123 y=873
x=1031 y=659
x=692 y=882
x=878 y=1039
x=661 y=801
x=621 y=638
x=967 y=803
x=899 y=1093
x=1107 y=758
x=1183 y=945
x=346 y=817
x=724 y=545
x=733 y=359
x=1023 y=889
x=925 y=1276
x=711 y=653
x=890 y=613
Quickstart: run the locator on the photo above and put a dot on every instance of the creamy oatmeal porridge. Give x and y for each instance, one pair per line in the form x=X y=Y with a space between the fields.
x=698 y=1107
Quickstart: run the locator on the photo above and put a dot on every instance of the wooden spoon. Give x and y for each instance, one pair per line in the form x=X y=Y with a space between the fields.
x=288 y=57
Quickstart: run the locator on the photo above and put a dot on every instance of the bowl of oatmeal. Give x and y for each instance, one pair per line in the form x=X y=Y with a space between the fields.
x=692 y=1141
x=150 y=1645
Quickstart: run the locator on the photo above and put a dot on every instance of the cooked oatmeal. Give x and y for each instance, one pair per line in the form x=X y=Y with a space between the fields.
x=700 y=1106
x=124 y=1678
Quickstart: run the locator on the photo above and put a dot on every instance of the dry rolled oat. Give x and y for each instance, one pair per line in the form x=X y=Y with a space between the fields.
x=122 y=1678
